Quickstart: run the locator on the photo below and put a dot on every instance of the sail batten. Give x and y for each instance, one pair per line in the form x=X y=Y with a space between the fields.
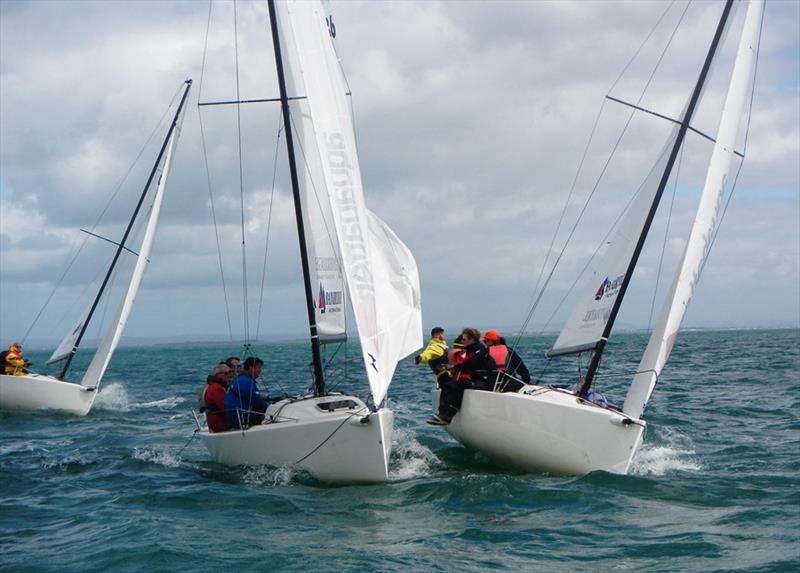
x=697 y=247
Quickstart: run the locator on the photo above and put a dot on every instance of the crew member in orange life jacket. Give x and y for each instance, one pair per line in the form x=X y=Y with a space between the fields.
x=512 y=372
x=473 y=372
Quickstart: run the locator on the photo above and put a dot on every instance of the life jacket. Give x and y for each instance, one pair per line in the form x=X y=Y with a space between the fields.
x=500 y=354
x=202 y=405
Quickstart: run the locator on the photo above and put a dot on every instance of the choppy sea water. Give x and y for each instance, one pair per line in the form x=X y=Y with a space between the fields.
x=716 y=486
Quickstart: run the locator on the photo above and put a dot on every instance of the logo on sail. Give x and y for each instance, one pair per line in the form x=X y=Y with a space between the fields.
x=602 y=290
x=608 y=287
x=321 y=299
x=329 y=300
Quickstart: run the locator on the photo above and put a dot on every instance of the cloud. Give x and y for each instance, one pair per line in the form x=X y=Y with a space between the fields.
x=472 y=119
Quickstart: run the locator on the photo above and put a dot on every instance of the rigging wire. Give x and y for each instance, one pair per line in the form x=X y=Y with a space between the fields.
x=114 y=193
x=605 y=167
x=666 y=235
x=208 y=177
x=269 y=224
x=246 y=318
x=580 y=166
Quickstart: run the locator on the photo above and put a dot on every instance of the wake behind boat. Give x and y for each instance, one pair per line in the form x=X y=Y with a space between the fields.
x=571 y=431
x=344 y=248
x=33 y=391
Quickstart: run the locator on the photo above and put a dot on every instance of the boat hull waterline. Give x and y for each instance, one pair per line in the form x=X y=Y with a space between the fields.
x=39 y=392
x=541 y=429
x=341 y=445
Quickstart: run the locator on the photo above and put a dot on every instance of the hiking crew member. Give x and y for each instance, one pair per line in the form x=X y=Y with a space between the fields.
x=242 y=400
x=512 y=372
x=435 y=354
x=212 y=398
x=472 y=372
x=13 y=362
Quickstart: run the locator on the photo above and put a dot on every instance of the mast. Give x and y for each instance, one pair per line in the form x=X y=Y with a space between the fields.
x=687 y=117
x=121 y=245
x=319 y=380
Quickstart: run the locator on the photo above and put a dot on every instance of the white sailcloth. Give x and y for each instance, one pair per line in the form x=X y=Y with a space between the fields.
x=101 y=359
x=64 y=349
x=325 y=266
x=584 y=328
x=383 y=325
x=697 y=247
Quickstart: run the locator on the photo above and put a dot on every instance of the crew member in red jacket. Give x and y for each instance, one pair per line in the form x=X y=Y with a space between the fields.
x=472 y=371
x=212 y=398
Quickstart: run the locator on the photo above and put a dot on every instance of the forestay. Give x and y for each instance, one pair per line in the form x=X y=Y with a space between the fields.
x=380 y=272
x=102 y=357
x=699 y=243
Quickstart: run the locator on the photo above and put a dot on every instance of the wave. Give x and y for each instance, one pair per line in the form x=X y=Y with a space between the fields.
x=677 y=454
x=157 y=457
x=115 y=397
x=269 y=475
x=410 y=458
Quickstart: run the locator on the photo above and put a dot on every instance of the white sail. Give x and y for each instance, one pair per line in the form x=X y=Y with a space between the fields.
x=584 y=328
x=325 y=266
x=101 y=359
x=399 y=308
x=311 y=57
x=64 y=349
x=697 y=247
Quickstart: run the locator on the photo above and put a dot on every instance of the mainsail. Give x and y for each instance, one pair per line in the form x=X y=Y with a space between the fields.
x=699 y=243
x=325 y=265
x=386 y=308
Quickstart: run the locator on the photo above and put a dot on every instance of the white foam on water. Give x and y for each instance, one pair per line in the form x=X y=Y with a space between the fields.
x=63 y=459
x=113 y=397
x=157 y=457
x=163 y=404
x=269 y=475
x=676 y=454
x=412 y=459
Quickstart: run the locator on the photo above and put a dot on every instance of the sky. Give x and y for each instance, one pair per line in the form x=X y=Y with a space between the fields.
x=472 y=119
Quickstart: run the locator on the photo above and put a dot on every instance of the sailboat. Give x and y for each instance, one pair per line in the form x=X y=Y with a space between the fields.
x=344 y=247
x=567 y=431
x=34 y=391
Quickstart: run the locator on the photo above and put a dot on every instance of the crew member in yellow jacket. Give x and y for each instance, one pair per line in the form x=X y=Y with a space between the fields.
x=13 y=362
x=435 y=354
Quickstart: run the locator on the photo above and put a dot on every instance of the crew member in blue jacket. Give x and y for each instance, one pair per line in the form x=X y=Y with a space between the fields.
x=242 y=400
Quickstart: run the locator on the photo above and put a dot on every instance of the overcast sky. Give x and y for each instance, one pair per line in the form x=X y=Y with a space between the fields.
x=471 y=119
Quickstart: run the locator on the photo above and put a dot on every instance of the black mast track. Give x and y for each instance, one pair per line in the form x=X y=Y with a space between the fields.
x=319 y=380
x=121 y=244
x=687 y=117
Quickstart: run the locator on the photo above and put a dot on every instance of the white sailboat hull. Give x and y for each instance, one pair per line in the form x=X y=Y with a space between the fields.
x=346 y=445
x=546 y=430
x=38 y=392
